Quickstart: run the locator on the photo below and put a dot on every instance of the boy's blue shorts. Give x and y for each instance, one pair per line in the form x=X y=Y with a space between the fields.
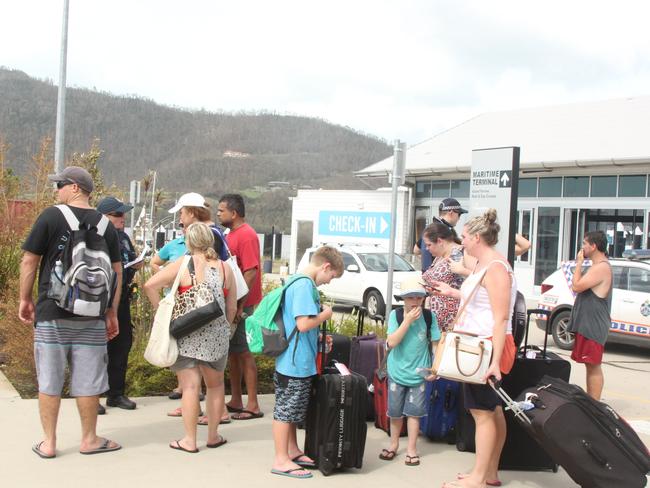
x=291 y=398
x=405 y=401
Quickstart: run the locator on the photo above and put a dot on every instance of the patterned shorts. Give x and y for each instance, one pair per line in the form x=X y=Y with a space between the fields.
x=291 y=398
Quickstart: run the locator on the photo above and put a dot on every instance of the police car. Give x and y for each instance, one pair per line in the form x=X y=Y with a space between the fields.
x=630 y=300
x=365 y=279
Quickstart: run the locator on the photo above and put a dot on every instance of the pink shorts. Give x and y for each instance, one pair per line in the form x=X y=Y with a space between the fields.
x=587 y=351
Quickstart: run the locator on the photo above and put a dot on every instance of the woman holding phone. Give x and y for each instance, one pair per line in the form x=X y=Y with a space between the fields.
x=441 y=241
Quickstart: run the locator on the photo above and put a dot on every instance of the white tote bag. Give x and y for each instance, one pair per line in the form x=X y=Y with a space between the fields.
x=461 y=356
x=242 y=287
x=162 y=349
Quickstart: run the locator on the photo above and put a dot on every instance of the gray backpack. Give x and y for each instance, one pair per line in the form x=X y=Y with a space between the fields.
x=82 y=280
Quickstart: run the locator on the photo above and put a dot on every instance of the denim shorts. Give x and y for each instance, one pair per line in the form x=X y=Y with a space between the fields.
x=405 y=401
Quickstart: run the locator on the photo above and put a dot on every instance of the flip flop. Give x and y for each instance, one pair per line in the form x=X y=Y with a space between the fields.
x=178 y=447
x=178 y=412
x=291 y=473
x=410 y=460
x=219 y=443
x=233 y=409
x=203 y=420
x=462 y=476
x=304 y=464
x=387 y=455
x=105 y=447
x=37 y=449
x=248 y=415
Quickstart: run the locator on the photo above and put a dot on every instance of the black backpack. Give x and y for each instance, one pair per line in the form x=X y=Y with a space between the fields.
x=82 y=280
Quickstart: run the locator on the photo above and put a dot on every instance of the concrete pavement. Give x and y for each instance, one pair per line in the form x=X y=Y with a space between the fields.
x=245 y=461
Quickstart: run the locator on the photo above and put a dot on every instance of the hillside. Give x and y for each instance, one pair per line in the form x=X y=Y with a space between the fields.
x=212 y=153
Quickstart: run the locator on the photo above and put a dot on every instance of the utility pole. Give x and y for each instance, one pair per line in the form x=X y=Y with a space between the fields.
x=60 y=104
x=397 y=177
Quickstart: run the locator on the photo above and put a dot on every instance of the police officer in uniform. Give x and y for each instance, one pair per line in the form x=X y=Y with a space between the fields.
x=119 y=347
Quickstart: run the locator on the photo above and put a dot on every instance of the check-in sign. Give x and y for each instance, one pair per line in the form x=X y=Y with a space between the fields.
x=354 y=224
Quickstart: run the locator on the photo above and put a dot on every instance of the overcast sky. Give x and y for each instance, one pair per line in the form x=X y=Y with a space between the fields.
x=395 y=69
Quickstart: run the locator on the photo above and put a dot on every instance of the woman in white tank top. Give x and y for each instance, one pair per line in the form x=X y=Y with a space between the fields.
x=488 y=314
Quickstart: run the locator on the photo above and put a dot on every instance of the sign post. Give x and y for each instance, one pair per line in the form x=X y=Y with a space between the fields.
x=495 y=184
x=397 y=177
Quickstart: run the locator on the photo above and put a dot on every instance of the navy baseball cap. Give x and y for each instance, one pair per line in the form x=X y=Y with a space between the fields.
x=112 y=205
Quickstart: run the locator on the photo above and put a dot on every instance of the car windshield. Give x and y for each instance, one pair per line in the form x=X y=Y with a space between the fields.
x=379 y=262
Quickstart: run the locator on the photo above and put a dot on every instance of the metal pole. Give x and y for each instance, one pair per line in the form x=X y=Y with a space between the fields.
x=397 y=175
x=153 y=195
x=60 y=105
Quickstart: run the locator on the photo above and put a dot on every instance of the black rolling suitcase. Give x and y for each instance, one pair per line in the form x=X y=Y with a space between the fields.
x=526 y=373
x=595 y=446
x=335 y=430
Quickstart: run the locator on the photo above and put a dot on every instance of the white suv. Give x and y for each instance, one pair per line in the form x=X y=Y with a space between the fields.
x=364 y=280
x=630 y=301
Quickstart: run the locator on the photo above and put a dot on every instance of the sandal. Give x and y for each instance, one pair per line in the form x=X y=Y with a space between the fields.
x=387 y=455
x=462 y=476
x=412 y=460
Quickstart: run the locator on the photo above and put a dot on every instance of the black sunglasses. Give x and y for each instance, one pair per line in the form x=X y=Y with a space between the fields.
x=116 y=214
x=61 y=184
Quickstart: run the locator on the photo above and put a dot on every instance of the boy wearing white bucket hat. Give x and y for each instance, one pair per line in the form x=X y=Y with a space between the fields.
x=409 y=344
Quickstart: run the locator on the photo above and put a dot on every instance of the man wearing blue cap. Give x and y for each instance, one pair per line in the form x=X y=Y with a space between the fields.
x=120 y=346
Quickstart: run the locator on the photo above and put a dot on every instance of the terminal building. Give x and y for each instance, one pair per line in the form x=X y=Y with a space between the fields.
x=582 y=167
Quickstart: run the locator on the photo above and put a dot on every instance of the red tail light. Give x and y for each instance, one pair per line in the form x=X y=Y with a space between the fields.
x=546 y=288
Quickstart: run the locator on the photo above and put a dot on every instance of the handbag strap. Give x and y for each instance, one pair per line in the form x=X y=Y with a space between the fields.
x=177 y=280
x=461 y=311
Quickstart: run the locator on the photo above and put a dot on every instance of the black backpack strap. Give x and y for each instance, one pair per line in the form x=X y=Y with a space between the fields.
x=192 y=270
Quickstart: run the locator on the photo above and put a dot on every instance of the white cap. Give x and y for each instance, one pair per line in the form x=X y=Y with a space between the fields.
x=411 y=287
x=188 y=200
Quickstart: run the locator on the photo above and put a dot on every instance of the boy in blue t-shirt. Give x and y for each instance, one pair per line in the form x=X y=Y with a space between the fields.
x=409 y=349
x=295 y=368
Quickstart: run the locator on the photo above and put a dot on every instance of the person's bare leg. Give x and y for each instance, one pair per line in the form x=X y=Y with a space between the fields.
x=413 y=430
x=294 y=450
x=87 y=406
x=215 y=401
x=235 y=381
x=282 y=432
x=48 y=406
x=395 y=430
x=191 y=384
x=595 y=380
x=249 y=369
x=486 y=437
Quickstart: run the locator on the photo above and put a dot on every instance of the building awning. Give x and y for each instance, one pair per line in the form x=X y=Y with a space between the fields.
x=581 y=135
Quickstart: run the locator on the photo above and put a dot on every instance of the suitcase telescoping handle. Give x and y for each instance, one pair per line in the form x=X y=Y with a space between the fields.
x=323 y=345
x=361 y=318
x=510 y=403
x=537 y=311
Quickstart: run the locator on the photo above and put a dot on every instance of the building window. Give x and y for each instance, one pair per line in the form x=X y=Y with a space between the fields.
x=550 y=187
x=423 y=189
x=603 y=186
x=632 y=186
x=576 y=186
x=528 y=187
x=440 y=188
x=546 y=248
x=460 y=188
x=524 y=226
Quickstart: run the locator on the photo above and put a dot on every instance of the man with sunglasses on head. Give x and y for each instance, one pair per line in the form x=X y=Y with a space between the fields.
x=120 y=346
x=63 y=338
x=449 y=212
